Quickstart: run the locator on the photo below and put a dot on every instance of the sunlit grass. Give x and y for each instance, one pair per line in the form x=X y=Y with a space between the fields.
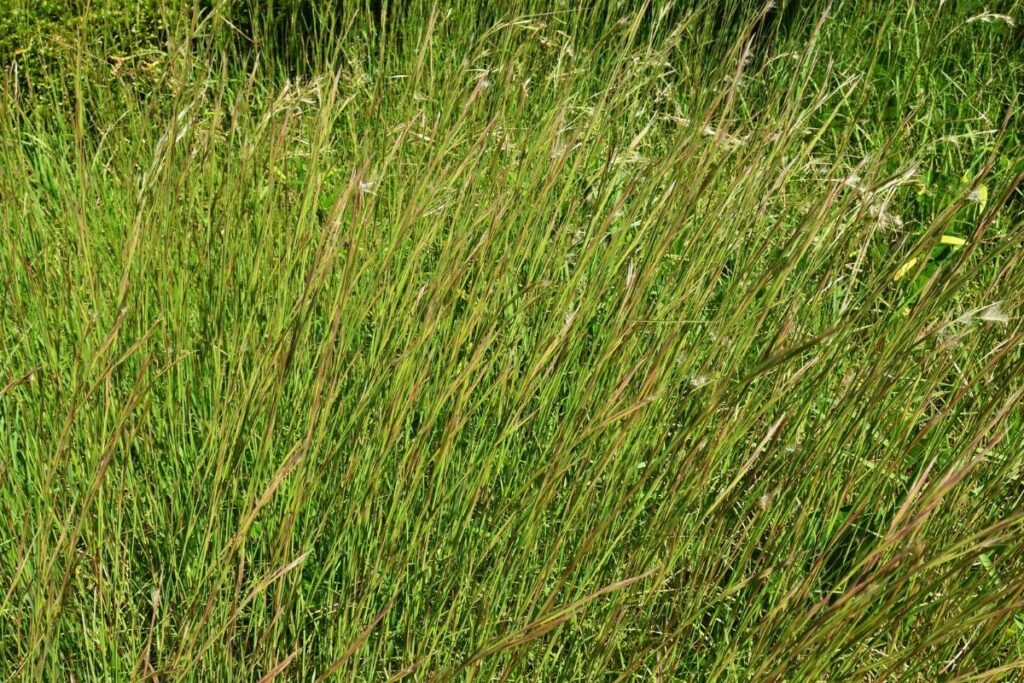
x=518 y=343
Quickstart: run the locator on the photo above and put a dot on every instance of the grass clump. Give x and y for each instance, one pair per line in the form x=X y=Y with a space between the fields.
x=519 y=341
x=42 y=41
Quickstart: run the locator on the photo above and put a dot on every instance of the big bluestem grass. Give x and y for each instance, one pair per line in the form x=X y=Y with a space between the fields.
x=518 y=342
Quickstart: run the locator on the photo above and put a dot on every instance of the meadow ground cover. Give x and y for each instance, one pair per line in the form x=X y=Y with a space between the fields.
x=513 y=341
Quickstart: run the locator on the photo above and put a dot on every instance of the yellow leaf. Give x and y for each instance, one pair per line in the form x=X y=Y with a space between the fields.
x=904 y=269
x=952 y=240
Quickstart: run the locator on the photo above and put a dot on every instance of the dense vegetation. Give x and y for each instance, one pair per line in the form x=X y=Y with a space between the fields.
x=511 y=341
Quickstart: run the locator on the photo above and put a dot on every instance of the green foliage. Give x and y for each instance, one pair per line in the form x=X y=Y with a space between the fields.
x=512 y=341
x=40 y=39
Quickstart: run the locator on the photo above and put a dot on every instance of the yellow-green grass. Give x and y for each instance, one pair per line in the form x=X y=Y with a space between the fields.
x=517 y=341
